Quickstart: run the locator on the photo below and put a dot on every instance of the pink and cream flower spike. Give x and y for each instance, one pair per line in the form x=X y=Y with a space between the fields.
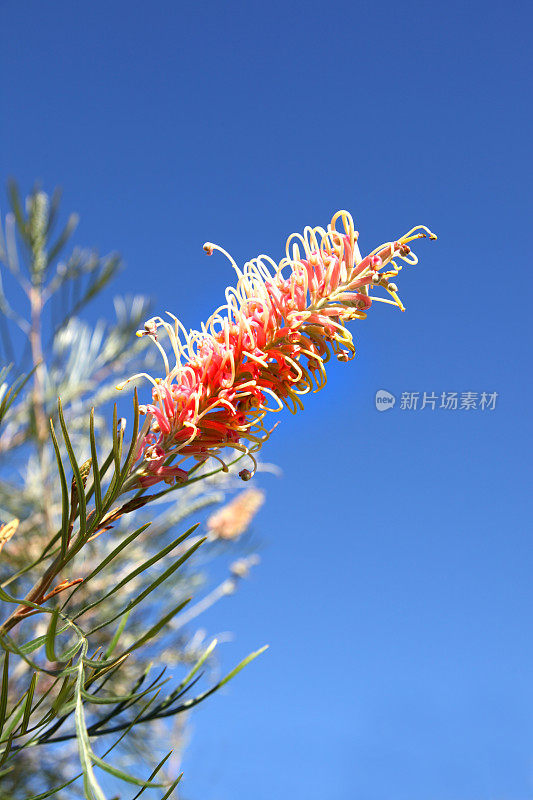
x=264 y=348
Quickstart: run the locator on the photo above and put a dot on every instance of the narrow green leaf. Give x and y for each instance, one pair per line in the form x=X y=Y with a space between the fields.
x=166 y=574
x=9 y=644
x=71 y=651
x=126 y=699
x=55 y=790
x=7 y=598
x=13 y=720
x=118 y=437
x=157 y=627
x=138 y=716
x=35 y=644
x=93 y=790
x=45 y=692
x=64 y=692
x=103 y=470
x=65 y=515
x=158 y=556
x=29 y=701
x=14 y=390
x=203 y=658
x=137 y=571
x=242 y=665
x=7 y=750
x=194 y=701
x=76 y=470
x=167 y=794
x=21 y=601
x=133 y=444
x=3 y=691
x=51 y=636
x=154 y=773
x=117 y=480
x=96 y=470
x=114 y=553
x=124 y=776
x=118 y=633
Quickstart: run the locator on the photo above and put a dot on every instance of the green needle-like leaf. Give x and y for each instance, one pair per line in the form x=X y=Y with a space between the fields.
x=171 y=789
x=10 y=394
x=124 y=776
x=65 y=515
x=28 y=704
x=76 y=470
x=96 y=470
x=244 y=663
x=154 y=630
x=196 y=700
x=3 y=690
x=107 y=560
x=118 y=633
x=133 y=445
x=166 y=574
x=51 y=636
x=93 y=790
x=137 y=571
x=6 y=751
x=203 y=658
x=154 y=773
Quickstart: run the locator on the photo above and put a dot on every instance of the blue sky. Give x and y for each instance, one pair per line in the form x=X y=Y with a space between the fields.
x=394 y=588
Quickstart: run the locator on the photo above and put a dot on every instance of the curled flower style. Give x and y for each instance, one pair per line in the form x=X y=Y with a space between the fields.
x=264 y=348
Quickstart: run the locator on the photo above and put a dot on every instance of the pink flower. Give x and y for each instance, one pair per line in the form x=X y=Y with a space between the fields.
x=265 y=348
x=155 y=469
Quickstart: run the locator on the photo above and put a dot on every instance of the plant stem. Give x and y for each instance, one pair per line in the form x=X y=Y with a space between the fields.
x=35 y=595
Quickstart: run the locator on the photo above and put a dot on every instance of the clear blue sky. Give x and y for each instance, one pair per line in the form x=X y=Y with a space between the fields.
x=395 y=587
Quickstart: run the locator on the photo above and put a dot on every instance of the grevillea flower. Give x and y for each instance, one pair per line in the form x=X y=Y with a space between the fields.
x=264 y=348
x=230 y=521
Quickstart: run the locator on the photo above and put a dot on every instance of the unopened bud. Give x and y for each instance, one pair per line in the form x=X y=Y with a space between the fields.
x=150 y=329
